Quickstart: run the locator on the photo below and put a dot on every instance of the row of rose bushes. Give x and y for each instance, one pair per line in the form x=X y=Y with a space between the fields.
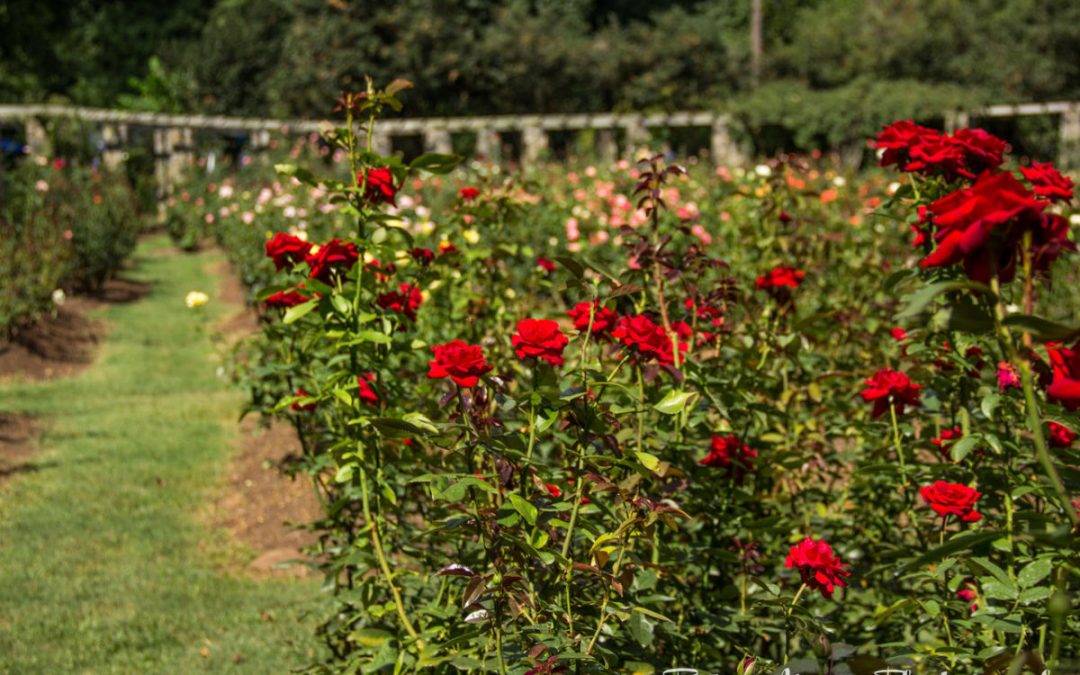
x=628 y=418
x=65 y=228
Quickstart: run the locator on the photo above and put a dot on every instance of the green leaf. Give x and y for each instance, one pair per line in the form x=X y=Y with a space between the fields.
x=996 y=590
x=522 y=506
x=650 y=462
x=435 y=163
x=1035 y=594
x=570 y=264
x=962 y=448
x=920 y=300
x=641 y=628
x=1043 y=330
x=993 y=569
x=300 y=311
x=675 y=401
x=1034 y=572
x=961 y=542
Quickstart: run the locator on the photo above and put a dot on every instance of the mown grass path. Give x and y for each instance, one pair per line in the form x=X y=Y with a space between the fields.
x=107 y=564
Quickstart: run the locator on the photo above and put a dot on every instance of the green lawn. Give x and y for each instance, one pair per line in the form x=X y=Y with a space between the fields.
x=107 y=565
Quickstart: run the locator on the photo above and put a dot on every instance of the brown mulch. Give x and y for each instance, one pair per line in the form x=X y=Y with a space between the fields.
x=262 y=506
x=18 y=443
x=64 y=344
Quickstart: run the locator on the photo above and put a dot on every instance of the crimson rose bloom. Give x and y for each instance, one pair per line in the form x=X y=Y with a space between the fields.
x=1047 y=182
x=1007 y=376
x=780 y=277
x=469 y=193
x=818 y=567
x=603 y=319
x=890 y=386
x=378 y=185
x=987 y=218
x=367 y=394
x=899 y=138
x=946 y=439
x=647 y=339
x=982 y=150
x=1065 y=385
x=539 y=339
x=333 y=255
x=405 y=301
x=545 y=264
x=296 y=407
x=424 y=256
x=286 y=250
x=463 y=363
x=728 y=452
x=285 y=299
x=952 y=499
x=1061 y=436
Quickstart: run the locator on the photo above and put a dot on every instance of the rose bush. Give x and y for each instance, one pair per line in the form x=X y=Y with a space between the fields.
x=624 y=422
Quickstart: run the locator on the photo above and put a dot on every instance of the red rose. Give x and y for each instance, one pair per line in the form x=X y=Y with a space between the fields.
x=367 y=394
x=378 y=185
x=952 y=499
x=987 y=218
x=898 y=139
x=1061 y=436
x=818 y=567
x=545 y=264
x=462 y=363
x=446 y=248
x=553 y=490
x=968 y=592
x=286 y=250
x=780 y=277
x=296 y=407
x=890 y=386
x=713 y=315
x=728 y=452
x=424 y=256
x=603 y=319
x=1065 y=384
x=539 y=339
x=405 y=301
x=333 y=255
x=938 y=156
x=982 y=150
x=647 y=339
x=469 y=193
x=946 y=439
x=1047 y=182
x=1007 y=376
x=285 y=299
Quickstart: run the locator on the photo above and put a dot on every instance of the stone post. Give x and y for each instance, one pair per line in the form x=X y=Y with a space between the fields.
x=487 y=145
x=37 y=140
x=115 y=137
x=1069 y=139
x=607 y=150
x=162 y=154
x=723 y=149
x=437 y=139
x=534 y=142
x=637 y=135
x=956 y=119
x=381 y=142
x=259 y=140
x=182 y=146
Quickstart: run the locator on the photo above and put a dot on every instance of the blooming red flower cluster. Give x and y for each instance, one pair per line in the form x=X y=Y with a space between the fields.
x=424 y=256
x=469 y=193
x=646 y=339
x=604 y=320
x=296 y=407
x=1061 y=436
x=463 y=363
x=818 y=567
x=946 y=439
x=378 y=184
x=367 y=393
x=1047 y=182
x=890 y=386
x=728 y=452
x=285 y=299
x=406 y=300
x=952 y=499
x=780 y=277
x=286 y=250
x=926 y=151
x=1065 y=384
x=539 y=339
x=983 y=226
x=334 y=255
